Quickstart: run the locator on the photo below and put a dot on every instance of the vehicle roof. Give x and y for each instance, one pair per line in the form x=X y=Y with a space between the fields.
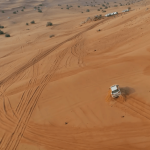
x=114 y=87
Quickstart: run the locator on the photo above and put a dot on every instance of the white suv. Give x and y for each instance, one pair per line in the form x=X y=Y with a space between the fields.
x=115 y=91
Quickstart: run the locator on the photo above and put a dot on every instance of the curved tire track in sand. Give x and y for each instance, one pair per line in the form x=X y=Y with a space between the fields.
x=12 y=140
x=42 y=55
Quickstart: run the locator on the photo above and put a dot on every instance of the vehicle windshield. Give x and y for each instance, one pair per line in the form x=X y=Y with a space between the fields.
x=115 y=91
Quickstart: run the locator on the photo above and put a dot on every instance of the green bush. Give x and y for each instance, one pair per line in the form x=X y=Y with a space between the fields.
x=51 y=35
x=39 y=10
x=22 y=10
x=2 y=11
x=27 y=24
x=1 y=32
x=79 y=6
x=40 y=4
x=1 y=26
x=59 y=5
x=7 y=35
x=33 y=22
x=87 y=10
x=24 y=7
x=61 y=8
x=49 y=24
x=14 y=12
x=98 y=9
x=115 y=5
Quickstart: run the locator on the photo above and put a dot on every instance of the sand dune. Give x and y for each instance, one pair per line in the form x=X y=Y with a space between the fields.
x=55 y=91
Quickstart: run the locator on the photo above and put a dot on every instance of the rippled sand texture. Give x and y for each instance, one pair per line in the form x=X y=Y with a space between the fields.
x=54 y=92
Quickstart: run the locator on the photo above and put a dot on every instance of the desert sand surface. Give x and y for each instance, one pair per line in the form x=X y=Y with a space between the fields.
x=54 y=92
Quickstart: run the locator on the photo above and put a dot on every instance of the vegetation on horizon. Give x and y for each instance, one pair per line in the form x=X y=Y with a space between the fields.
x=7 y=35
x=49 y=24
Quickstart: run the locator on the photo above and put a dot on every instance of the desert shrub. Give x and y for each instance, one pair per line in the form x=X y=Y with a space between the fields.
x=24 y=7
x=129 y=8
x=79 y=6
x=52 y=35
x=22 y=10
x=40 y=4
x=7 y=35
x=33 y=22
x=14 y=12
x=1 y=26
x=35 y=7
x=2 y=11
x=61 y=8
x=87 y=10
x=103 y=10
x=49 y=24
x=27 y=24
x=82 y=12
x=67 y=8
x=39 y=10
x=59 y=5
x=106 y=7
x=98 y=9
x=115 y=5
x=1 y=32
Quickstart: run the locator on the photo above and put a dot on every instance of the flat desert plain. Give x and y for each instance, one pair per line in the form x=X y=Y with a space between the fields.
x=54 y=80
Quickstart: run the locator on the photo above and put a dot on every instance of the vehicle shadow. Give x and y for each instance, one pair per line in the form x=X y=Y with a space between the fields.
x=126 y=91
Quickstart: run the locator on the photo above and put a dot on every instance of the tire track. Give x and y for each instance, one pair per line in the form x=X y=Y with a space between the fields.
x=28 y=103
x=27 y=109
x=41 y=56
x=135 y=107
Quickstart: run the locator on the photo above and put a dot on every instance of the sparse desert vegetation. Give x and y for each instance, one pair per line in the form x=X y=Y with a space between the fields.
x=52 y=35
x=49 y=24
x=1 y=26
x=7 y=35
x=39 y=10
x=56 y=66
x=1 y=32
x=32 y=22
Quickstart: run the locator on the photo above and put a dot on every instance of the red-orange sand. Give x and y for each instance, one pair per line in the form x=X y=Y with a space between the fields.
x=53 y=90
